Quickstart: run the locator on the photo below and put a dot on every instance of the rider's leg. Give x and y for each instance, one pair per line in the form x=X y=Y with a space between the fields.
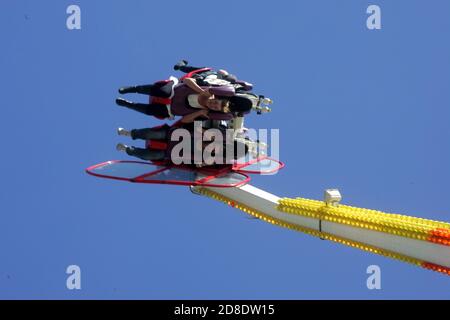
x=187 y=69
x=146 y=154
x=159 y=89
x=184 y=67
x=150 y=134
x=180 y=64
x=156 y=110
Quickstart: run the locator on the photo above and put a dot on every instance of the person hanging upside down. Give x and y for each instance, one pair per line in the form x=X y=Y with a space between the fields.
x=164 y=134
x=187 y=99
x=208 y=77
x=205 y=73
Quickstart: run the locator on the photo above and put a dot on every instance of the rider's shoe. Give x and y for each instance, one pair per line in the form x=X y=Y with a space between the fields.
x=125 y=90
x=123 y=103
x=121 y=147
x=181 y=63
x=123 y=132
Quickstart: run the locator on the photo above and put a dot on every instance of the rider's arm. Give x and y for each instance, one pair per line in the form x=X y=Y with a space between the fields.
x=194 y=115
x=194 y=86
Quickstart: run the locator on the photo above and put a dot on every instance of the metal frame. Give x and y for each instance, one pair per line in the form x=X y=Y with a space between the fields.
x=431 y=255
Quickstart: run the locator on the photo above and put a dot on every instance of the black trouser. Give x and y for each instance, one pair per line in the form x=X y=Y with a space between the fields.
x=146 y=154
x=148 y=134
x=200 y=76
x=153 y=109
x=159 y=89
x=187 y=69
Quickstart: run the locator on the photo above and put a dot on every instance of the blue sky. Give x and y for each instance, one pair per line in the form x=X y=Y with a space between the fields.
x=364 y=111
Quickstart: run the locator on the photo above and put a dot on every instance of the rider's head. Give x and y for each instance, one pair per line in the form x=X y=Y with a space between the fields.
x=218 y=105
